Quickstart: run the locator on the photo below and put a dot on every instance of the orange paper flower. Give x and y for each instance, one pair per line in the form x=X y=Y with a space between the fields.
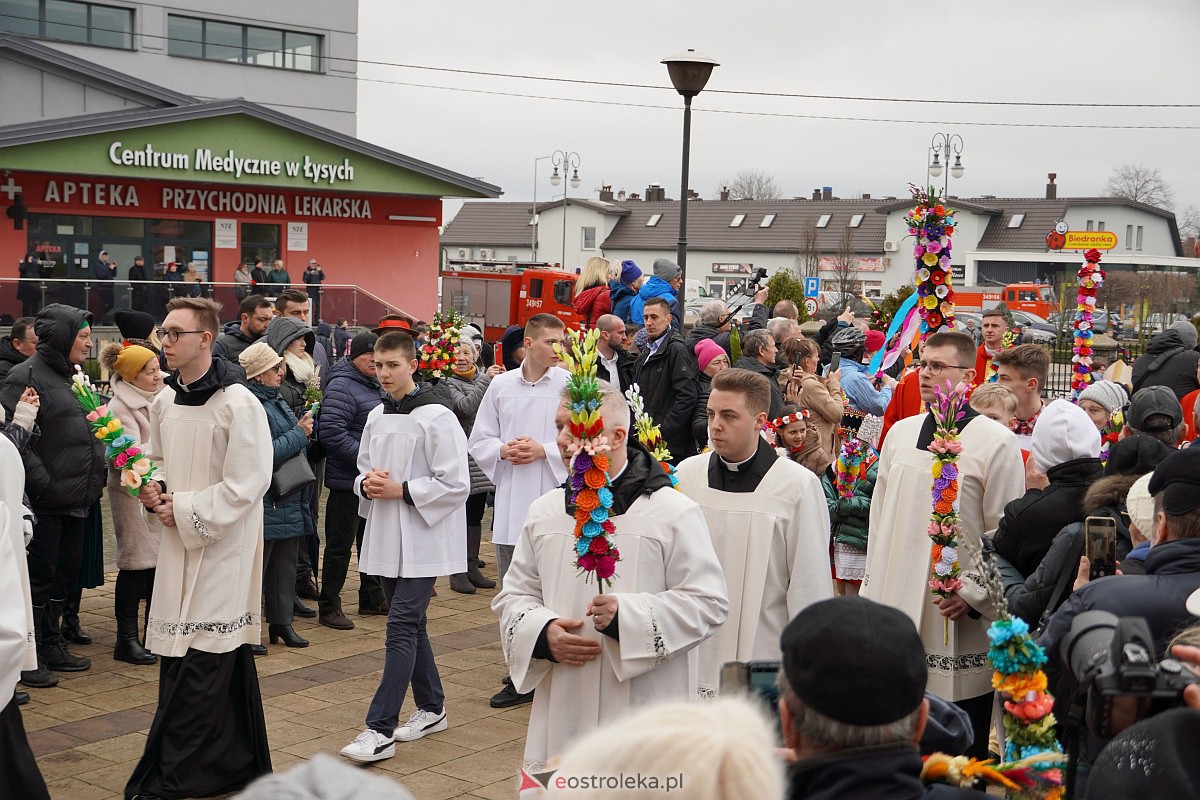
x=587 y=501
x=595 y=478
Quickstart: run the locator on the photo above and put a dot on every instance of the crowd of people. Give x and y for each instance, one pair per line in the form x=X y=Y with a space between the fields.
x=786 y=532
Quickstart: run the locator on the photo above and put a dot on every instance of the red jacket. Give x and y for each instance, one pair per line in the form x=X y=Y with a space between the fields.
x=906 y=402
x=593 y=303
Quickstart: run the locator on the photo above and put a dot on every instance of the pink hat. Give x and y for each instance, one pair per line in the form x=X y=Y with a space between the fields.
x=875 y=340
x=706 y=351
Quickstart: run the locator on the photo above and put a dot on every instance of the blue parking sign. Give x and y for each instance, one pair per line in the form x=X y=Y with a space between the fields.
x=812 y=287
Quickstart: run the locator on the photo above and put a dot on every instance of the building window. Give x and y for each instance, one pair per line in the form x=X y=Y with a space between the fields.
x=589 y=238
x=260 y=242
x=737 y=220
x=213 y=40
x=1128 y=237
x=823 y=222
x=69 y=21
x=1090 y=225
x=855 y=221
x=654 y=218
x=1016 y=220
x=1100 y=225
x=767 y=221
x=1138 y=246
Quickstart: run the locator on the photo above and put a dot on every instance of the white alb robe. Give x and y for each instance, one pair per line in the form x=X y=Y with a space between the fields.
x=898 y=549
x=671 y=596
x=17 y=650
x=773 y=544
x=512 y=407
x=216 y=462
x=427 y=450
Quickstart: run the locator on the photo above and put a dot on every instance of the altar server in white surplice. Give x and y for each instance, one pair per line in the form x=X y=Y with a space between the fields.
x=768 y=521
x=898 y=550
x=594 y=656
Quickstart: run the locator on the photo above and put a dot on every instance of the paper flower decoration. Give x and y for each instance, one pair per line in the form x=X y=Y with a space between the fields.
x=436 y=355
x=944 y=523
x=122 y=451
x=932 y=223
x=1090 y=279
x=648 y=432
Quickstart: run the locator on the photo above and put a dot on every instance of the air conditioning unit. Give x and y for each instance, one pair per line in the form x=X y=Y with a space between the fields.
x=891 y=247
x=486 y=254
x=464 y=252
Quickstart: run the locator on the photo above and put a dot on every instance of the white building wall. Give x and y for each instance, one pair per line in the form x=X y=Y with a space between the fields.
x=329 y=99
x=1156 y=232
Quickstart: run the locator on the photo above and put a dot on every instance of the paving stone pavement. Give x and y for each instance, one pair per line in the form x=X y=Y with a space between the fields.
x=89 y=731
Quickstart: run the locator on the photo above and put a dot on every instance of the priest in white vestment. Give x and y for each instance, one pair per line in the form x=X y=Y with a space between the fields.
x=593 y=656
x=768 y=521
x=991 y=474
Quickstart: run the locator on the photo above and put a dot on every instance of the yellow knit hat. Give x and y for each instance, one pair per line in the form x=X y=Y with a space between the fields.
x=133 y=359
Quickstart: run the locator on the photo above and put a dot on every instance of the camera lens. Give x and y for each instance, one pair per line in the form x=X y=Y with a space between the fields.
x=1085 y=649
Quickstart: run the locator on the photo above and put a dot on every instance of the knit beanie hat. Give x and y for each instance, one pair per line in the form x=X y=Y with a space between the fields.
x=132 y=360
x=133 y=324
x=258 y=358
x=1064 y=432
x=1107 y=394
x=706 y=351
x=667 y=270
x=875 y=340
x=629 y=272
x=1187 y=333
x=362 y=343
x=1141 y=506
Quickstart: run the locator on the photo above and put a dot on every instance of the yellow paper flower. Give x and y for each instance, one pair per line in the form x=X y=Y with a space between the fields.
x=929 y=259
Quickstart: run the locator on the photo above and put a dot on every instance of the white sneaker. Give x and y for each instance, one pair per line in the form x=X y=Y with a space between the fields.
x=419 y=724
x=369 y=746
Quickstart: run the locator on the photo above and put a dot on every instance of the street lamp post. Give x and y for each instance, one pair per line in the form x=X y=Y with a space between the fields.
x=533 y=221
x=568 y=161
x=689 y=73
x=947 y=143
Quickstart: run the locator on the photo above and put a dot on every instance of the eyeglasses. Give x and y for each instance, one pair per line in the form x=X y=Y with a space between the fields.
x=172 y=336
x=936 y=369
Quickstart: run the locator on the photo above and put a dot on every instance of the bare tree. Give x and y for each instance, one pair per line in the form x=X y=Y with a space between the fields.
x=808 y=255
x=844 y=269
x=1189 y=221
x=1141 y=184
x=753 y=184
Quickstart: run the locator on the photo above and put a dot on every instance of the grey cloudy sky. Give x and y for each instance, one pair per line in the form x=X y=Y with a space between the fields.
x=1020 y=50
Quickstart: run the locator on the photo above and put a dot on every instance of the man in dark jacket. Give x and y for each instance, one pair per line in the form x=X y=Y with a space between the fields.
x=139 y=274
x=254 y=315
x=715 y=322
x=1170 y=360
x=103 y=297
x=1159 y=596
x=665 y=373
x=853 y=705
x=19 y=345
x=615 y=364
x=758 y=355
x=350 y=396
x=64 y=475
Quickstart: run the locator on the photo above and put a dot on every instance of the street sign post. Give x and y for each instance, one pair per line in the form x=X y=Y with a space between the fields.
x=812 y=287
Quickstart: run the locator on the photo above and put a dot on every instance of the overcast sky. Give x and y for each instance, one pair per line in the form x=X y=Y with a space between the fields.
x=1054 y=51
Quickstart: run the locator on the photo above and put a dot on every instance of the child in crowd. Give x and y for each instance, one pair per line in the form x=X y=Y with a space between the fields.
x=997 y=402
x=1105 y=402
x=848 y=488
x=413 y=473
x=800 y=441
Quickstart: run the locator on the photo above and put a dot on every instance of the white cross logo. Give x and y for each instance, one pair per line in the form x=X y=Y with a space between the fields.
x=11 y=189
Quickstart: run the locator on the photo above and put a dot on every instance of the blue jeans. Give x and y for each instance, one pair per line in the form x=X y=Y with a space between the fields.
x=408 y=657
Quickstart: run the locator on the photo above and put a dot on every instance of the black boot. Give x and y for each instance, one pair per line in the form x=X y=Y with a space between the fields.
x=460 y=583
x=474 y=535
x=288 y=634
x=127 y=599
x=52 y=648
x=70 y=619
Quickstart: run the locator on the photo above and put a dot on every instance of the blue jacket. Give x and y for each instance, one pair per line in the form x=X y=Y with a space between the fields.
x=655 y=287
x=349 y=397
x=289 y=517
x=862 y=393
x=621 y=295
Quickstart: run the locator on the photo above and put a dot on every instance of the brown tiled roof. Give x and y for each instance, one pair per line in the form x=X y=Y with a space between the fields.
x=490 y=225
x=709 y=229
x=1040 y=216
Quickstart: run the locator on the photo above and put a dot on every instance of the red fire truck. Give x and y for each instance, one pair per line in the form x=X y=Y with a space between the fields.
x=494 y=295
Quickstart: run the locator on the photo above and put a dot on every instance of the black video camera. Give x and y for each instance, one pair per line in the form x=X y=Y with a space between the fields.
x=760 y=275
x=1113 y=660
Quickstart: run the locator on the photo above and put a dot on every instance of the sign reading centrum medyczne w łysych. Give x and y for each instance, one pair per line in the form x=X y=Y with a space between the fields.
x=204 y=160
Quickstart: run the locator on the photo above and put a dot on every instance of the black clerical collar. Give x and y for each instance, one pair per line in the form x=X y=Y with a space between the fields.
x=925 y=438
x=744 y=476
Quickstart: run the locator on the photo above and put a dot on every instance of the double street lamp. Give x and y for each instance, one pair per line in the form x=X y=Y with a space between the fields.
x=689 y=73
x=568 y=161
x=942 y=145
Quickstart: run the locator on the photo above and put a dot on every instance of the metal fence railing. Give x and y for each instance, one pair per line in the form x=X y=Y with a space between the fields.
x=330 y=303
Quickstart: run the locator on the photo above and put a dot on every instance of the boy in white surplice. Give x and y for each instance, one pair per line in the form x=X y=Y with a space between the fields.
x=413 y=476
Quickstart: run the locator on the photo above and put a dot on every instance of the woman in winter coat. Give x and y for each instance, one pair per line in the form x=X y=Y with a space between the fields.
x=623 y=288
x=136 y=379
x=711 y=359
x=592 y=298
x=848 y=517
x=285 y=519
x=820 y=396
x=467 y=385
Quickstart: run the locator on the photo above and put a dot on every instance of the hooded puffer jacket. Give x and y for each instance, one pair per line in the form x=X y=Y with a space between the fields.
x=286 y=517
x=1167 y=362
x=64 y=466
x=350 y=398
x=282 y=332
x=592 y=303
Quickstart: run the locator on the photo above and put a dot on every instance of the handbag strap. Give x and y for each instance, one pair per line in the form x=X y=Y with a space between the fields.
x=1070 y=568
